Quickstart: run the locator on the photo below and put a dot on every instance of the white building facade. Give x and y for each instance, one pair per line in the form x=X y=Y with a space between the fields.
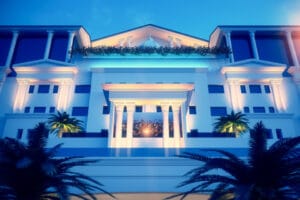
x=157 y=101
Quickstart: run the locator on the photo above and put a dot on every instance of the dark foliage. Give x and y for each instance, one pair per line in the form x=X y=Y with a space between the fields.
x=29 y=172
x=270 y=174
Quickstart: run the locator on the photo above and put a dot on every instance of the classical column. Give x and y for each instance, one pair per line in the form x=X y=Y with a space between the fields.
x=12 y=48
x=64 y=94
x=111 y=139
x=253 y=45
x=166 y=134
x=70 y=44
x=130 y=114
x=275 y=85
x=21 y=95
x=48 y=45
x=229 y=45
x=176 y=126
x=234 y=95
x=292 y=48
x=119 y=119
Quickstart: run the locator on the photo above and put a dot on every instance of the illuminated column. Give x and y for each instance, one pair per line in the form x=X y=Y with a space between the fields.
x=183 y=124
x=176 y=126
x=292 y=48
x=111 y=139
x=48 y=45
x=229 y=45
x=234 y=95
x=130 y=114
x=275 y=84
x=165 y=111
x=12 y=48
x=21 y=95
x=70 y=44
x=64 y=94
x=253 y=45
x=119 y=118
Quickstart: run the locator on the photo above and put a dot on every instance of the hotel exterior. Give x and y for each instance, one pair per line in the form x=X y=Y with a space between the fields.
x=148 y=93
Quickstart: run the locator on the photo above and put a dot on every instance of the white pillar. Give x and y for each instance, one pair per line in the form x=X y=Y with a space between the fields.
x=48 y=44
x=234 y=95
x=275 y=85
x=69 y=48
x=176 y=126
x=253 y=45
x=292 y=48
x=111 y=139
x=166 y=133
x=11 y=49
x=295 y=72
x=21 y=96
x=229 y=45
x=64 y=90
x=119 y=119
x=130 y=115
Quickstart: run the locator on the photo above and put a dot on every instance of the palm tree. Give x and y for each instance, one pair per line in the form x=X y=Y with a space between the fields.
x=30 y=172
x=233 y=123
x=270 y=174
x=61 y=123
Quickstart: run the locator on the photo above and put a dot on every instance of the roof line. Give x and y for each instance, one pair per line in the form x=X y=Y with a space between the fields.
x=160 y=27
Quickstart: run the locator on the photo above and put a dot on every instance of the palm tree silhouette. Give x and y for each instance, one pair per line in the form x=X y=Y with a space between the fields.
x=30 y=172
x=270 y=174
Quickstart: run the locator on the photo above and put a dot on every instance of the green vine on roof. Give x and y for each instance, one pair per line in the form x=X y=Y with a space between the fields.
x=105 y=50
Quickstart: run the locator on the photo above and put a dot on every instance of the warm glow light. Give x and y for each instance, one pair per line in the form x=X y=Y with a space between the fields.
x=147 y=131
x=148 y=87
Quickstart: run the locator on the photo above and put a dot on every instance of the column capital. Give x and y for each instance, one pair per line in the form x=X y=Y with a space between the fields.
x=15 y=33
x=23 y=81
x=227 y=33
x=119 y=107
x=165 y=107
x=130 y=107
x=233 y=81
x=252 y=33
x=175 y=107
x=275 y=81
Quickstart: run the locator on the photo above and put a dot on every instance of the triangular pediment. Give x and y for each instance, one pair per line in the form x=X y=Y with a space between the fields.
x=43 y=63
x=150 y=36
x=255 y=63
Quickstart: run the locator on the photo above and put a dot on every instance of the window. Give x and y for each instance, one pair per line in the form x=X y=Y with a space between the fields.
x=31 y=89
x=158 y=108
x=279 y=133
x=52 y=109
x=19 y=134
x=39 y=109
x=192 y=110
x=138 y=108
x=105 y=110
x=59 y=46
x=259 y=109
x=218 y=111
x=55 y=89
x=246 y=109
x=271 y=109
x=215 y=89
x=243 y=89
x=82 y=88
x=27 y=109
x=267 y=89
x=269 y=134
x=43 y=88
x=254 y=88
x=80 y=111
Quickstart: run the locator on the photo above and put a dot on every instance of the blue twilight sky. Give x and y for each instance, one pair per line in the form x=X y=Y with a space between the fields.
x=105 y=17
